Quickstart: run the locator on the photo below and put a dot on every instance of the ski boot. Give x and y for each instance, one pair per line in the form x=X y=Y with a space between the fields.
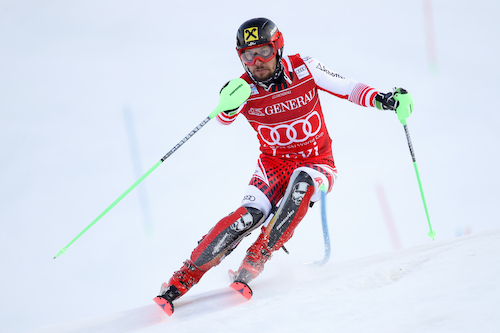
x=178 y=285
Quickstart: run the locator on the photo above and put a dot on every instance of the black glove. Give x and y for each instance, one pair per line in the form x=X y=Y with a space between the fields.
x=387 y=101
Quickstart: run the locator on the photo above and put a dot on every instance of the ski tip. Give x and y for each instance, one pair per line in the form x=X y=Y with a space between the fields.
x=243 y=289
x=165 y=304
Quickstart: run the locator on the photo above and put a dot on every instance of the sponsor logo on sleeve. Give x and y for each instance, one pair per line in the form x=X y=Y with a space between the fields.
x=301 y=72
x=327 y=71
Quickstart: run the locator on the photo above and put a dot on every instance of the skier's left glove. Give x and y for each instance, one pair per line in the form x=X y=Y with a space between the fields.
x=387 y=101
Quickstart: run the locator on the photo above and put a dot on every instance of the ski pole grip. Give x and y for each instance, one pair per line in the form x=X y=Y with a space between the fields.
x=234 y=93
x=405 y=107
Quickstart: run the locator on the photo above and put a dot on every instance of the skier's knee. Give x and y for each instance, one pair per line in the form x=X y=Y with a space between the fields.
x=304 y=177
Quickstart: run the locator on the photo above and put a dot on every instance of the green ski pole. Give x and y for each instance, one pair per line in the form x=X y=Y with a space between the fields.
x=404 y=109
x=234 y=93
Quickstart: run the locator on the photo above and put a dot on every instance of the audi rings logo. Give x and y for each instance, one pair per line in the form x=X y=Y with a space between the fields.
x=249 y=198
x=285 y=134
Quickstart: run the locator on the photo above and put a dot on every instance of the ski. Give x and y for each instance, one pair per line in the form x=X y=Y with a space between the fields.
x=241 y=287
x=164 y=303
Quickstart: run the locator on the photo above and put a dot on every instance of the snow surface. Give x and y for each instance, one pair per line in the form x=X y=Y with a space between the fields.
x=446 y=286
x=72 y=73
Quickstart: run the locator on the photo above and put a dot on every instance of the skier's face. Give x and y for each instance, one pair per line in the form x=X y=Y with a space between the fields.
x=262 y=71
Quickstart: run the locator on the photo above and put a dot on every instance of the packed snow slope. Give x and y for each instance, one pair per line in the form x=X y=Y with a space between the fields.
x=445 y=286
x=93 y=93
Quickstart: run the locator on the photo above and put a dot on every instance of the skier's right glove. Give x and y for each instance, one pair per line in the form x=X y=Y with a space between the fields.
x=387 y=101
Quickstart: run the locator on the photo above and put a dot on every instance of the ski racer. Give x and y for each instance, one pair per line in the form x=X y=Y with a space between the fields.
x=295 y=163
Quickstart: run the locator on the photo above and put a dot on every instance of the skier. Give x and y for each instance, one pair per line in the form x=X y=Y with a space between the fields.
x=296 y=160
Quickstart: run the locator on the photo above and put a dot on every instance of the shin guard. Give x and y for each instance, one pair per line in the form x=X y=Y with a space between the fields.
x=213 y=247
x=225 y=236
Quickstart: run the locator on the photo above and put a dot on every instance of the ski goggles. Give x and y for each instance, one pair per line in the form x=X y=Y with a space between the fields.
x=263 y=52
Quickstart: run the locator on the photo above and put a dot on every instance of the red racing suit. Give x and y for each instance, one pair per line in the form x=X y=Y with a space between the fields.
x=290 y=125
x=296 y=150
